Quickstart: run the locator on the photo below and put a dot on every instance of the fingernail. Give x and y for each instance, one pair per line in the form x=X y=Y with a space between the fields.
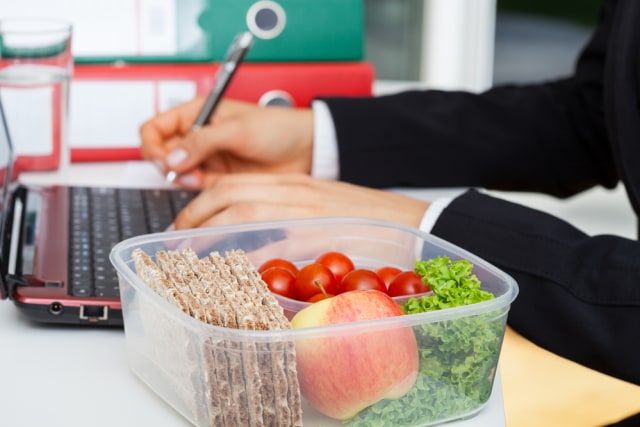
x=176 y=157
x=189 y=180
x=171 y=227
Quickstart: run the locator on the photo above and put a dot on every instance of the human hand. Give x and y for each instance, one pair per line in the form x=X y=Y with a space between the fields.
x=241 y=137
x=239 y=198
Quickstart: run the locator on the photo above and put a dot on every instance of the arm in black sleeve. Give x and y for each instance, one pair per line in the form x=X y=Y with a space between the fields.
x=579 y=295
x=546 y=137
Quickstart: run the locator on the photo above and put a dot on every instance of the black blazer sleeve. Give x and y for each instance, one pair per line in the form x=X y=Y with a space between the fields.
x=579 y=295
x=548 y=137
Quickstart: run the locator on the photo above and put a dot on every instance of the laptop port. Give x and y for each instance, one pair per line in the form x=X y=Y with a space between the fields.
x=94 y=313
x=55 y=308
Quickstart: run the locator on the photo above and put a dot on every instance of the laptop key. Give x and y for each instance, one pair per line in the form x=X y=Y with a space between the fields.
x=107 y=293
x=81 y=291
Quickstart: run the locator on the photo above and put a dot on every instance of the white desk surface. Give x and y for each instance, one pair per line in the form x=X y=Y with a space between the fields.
x=67 y=376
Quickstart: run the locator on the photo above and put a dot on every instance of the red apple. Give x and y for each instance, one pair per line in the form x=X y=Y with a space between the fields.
x=342 y=373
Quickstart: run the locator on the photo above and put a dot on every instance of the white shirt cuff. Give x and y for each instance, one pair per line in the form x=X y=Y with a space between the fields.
x=324 y=164
x=433 y=213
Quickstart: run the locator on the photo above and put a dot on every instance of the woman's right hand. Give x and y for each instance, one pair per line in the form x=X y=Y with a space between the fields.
x=241 y=137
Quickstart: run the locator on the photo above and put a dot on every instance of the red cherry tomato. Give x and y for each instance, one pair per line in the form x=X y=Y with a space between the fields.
x=280 y=281
x=281 y=263
x=319 y=297
x=338 y=263
x=362 y=279
x=407 y=283
x=388 y=273
x=313 y=279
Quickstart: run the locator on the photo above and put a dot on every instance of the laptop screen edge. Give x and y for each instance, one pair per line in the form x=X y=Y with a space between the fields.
x=6 y=174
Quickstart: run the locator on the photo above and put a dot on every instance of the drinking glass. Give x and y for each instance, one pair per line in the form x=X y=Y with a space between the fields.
x=36 y=65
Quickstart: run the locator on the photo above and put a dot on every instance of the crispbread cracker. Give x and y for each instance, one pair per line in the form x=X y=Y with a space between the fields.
x=281 y=356
x=248 y=382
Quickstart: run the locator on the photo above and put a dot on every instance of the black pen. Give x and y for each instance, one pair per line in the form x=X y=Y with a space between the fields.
x=235 y=55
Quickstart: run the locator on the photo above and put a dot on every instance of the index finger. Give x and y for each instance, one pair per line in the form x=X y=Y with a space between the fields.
x=176 y=122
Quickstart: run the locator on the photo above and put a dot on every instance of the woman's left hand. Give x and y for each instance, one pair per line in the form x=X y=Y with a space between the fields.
x=240 y=198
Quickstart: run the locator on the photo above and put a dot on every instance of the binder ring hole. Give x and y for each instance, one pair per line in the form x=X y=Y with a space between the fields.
x=266 y=19
x=278 y=98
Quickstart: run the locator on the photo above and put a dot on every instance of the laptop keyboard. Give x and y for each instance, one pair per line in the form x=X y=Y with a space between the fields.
x=100 y=218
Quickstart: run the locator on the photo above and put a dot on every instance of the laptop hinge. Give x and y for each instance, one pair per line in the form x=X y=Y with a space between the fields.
x=11 y=280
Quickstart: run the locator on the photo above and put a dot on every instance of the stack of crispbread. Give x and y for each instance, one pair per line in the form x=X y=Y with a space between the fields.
x=248 y=381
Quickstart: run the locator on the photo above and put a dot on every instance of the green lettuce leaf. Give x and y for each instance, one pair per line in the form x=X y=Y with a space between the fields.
x=452 y=283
